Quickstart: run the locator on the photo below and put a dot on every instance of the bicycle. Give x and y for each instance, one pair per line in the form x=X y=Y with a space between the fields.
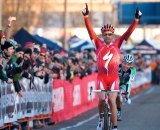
x=106 y=114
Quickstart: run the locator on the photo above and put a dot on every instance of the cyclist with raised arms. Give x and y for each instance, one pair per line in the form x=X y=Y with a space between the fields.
x=108 y=59
x=127 y=74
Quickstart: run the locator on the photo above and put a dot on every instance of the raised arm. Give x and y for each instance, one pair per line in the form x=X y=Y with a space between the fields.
x=129 y=31
x=7 y=30
x=90 y=30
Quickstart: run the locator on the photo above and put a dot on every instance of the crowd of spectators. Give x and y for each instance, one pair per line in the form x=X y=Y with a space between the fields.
x=33 y=60
x=152 y=61
x=140 y=62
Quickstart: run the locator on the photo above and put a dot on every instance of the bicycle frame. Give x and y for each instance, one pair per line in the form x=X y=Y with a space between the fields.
x=107 y=114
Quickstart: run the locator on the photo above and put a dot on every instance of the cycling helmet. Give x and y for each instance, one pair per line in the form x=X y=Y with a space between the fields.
x=107 y=27
x=128 y=58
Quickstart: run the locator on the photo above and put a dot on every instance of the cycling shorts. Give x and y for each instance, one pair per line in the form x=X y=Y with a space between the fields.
x=107 y=82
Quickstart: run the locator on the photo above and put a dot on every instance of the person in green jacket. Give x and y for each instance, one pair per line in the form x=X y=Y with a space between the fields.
x=4 y=77
x=127 y=74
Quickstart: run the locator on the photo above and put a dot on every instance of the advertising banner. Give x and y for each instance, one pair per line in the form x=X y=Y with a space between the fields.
x=73 y=98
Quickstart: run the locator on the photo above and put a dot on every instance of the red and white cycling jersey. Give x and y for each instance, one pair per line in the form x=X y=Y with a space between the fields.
x=108 y=57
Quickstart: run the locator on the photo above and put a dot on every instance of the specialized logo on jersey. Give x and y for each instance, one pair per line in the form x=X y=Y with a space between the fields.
x=107 y=58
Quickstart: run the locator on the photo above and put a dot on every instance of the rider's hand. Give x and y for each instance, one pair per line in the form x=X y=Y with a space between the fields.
x=127 y=99
x=138 y=13
x=127 y=96
x=85 y=11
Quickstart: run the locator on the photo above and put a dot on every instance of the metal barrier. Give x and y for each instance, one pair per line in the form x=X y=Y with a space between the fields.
x=35 y=103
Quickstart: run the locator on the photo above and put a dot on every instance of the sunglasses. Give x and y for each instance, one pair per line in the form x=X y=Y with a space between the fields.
x=107 y=34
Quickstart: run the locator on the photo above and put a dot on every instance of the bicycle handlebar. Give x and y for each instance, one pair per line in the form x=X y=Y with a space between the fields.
x=101 y=91
x=105 y=91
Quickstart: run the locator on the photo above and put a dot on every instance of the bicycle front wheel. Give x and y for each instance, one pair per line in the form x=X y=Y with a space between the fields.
x=107 y=119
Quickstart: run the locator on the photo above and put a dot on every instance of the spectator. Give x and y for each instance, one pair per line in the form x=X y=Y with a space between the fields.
x=154 y=67
x=2 y=37
x=10 y=67
x=29 y=45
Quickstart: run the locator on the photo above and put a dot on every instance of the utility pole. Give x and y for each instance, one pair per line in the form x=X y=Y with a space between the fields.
x=65 y=25
x=0 y=14
x=104 y=15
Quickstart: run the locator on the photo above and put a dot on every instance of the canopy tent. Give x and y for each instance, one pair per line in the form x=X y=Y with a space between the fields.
x=73 y=39
x=156 y=44
x=82 y=45
x=144 y=47
x=50 y=44
x=22 y=36
x=88 y=47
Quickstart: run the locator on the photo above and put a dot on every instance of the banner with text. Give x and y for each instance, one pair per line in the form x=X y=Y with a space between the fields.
x=71 y=99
